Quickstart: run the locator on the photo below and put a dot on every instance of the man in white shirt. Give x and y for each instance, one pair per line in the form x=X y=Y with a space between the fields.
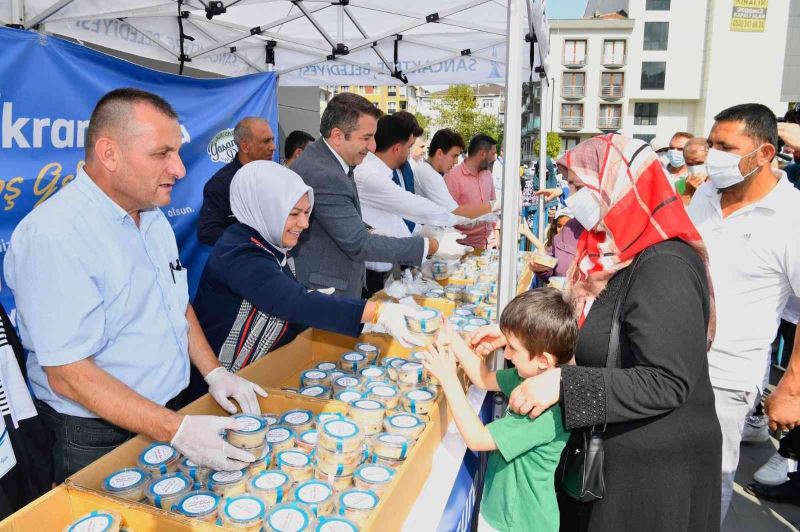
x=384 y=201
x=417 y=152
x=748 y=216
x=443 y=151
x=497 y=172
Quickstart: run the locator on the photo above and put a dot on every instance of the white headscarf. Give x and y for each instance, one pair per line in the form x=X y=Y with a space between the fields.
x=263 y=193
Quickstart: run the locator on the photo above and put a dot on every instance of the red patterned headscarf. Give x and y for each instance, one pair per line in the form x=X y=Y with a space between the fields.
x=638 y=209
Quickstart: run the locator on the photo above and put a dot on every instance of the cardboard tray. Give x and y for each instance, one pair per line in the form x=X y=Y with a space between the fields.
x=60 y=507
x=281 y=367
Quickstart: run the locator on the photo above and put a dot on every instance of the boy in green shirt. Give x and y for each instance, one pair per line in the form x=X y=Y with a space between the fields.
x=541 y=330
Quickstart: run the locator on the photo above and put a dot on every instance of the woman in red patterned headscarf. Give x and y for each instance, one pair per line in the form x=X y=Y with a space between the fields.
x=663 y=446
x=633 y=208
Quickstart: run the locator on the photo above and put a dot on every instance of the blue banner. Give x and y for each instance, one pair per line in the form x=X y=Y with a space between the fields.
x=48 y=88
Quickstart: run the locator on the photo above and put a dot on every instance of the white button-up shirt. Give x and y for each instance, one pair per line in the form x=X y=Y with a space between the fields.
x=430 y=184
x=755 y=267
x=384 y=204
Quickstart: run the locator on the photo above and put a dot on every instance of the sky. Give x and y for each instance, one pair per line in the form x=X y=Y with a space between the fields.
x=565 y=8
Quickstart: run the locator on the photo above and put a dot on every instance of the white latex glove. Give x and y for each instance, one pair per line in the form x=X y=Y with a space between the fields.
x=198 y=438
x=222 y=385
x=462 y=220
x=428 y=231
x=449 y=248
x=392 y=316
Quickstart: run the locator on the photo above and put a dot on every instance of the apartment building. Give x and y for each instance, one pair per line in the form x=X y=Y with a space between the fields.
x=389 y=98
x=659 y=66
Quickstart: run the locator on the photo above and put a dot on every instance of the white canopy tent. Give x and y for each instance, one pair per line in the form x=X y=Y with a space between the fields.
x=330 y=42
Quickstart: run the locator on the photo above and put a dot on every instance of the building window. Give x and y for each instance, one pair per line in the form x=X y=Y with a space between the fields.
x=610 y=116
x=653 y=75
x=392 y=107
x=567 y=143
x=487 y=104
x=573 y=85
x=403 y=105
x=645 y=114
x=402 y=91
x=614 y=53
x=571 y=115
x=612 y=85
x=345 y=88
x=657 y=5
x=656 y=35
x=369 y=89
x=392 y=90
x=645 y=137
x=575 y=53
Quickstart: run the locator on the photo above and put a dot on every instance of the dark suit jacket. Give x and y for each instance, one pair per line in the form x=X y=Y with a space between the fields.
x=215 y=214
x=333 y=250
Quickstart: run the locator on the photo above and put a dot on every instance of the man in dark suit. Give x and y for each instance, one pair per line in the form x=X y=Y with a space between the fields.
x=255 y=142
x=333 y=250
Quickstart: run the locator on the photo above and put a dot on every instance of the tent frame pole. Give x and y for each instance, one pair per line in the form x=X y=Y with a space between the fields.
x=544 y=89
x=46 y=14
x=17 y=12
x=513 y=126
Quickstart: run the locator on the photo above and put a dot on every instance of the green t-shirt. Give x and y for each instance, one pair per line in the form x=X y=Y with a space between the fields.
x=519 y=492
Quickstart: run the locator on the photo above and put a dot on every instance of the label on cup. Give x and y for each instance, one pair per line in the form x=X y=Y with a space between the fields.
x=125 y=479
x=244 y=508
x=313 y=492
x=226 y=476
x=169 y=486
x=270 y=480
x=158 y=454
x=358 y=500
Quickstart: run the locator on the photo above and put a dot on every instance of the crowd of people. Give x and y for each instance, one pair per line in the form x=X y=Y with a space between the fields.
x=681 y=266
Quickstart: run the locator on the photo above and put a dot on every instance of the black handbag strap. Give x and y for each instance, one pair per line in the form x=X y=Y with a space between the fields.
x=614 y=346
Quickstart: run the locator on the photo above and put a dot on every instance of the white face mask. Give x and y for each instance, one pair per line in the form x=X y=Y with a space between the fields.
x=697 y=169
x=585 y=207
x=723 y=168
x=675 y=158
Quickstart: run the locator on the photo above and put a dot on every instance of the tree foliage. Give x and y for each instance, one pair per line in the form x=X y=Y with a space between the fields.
x=458 y=109
x=553 y=145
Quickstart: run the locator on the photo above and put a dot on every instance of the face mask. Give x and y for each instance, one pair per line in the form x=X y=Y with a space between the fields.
x=675 y=158
x=698 y=169
x=723 y=168
x=585 y=207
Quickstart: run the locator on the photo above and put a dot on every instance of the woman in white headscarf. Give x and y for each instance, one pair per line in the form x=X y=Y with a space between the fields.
x=249 y=301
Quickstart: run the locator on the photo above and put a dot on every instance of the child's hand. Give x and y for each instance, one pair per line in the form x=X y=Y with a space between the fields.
x=441 y=363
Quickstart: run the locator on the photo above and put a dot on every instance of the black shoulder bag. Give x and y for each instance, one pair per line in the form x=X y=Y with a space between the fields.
x=580 y=472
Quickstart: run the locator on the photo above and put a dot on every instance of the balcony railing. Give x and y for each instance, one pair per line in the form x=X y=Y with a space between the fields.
x=574 y=62
x=609 y=122
x=573 y=91
x=615 y=61
x=612 y=92
x=571 y=122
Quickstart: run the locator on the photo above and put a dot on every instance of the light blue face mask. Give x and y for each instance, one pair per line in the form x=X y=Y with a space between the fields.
x=675 y=158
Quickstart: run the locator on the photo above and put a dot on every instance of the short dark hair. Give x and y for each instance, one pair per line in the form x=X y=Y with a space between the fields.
x=543 y=321
x=759 y=121
x=296 y=139
x=114 y=110
x=445 y=139
x=394 y=129
x=343 y=112
x=480 y=142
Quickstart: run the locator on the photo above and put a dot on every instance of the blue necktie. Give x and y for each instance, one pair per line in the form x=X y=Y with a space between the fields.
x=400 y=182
